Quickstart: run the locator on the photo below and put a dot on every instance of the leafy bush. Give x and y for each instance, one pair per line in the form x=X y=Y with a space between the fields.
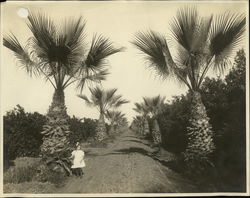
x=22 y=135
x=46 y=174
x=173 y=122
x=82 y=129
x=226 y=104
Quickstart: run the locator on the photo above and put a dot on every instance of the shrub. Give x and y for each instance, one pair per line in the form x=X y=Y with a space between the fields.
x=22 y=135
x=173 y=122
x=82 y=129
x=46 y=174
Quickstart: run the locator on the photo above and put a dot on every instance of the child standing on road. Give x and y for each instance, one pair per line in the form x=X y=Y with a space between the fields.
x=78 y=162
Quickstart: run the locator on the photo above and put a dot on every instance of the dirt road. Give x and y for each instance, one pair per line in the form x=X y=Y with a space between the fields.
x=126 y=167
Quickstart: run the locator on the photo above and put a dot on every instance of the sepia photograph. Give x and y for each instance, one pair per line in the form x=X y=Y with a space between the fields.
x=124 y=98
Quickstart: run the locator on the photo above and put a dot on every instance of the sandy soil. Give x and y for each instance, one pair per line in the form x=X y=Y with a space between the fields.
x=126 y=166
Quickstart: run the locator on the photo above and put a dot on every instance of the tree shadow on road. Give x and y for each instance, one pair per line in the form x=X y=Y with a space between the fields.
x=128 y=151
x=130 y=136
x=137 y=141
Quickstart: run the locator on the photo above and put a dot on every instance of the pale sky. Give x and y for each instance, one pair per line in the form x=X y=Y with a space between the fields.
x=117 y=20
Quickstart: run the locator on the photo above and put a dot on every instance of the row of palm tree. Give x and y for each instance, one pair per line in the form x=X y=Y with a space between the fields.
x=61 y=55
x=104 y=100
x=117 y=120
x=201 y=43
x=149 y=109
x=137 y=125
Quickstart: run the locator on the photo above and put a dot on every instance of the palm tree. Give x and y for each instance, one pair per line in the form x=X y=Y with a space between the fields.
x=103 y=100
x=142 y=109
x=137 y=124
x=121 y=123
x=60 y=55
x=115 y=118
x=154 y=106
x=200 y=44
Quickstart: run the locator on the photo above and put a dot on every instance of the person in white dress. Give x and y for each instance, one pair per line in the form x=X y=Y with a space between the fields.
x=78 y=160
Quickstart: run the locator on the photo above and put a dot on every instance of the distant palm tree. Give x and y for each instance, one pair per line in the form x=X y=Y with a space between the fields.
x=60 y=55
x=116 y=118
x=199 y=44
x=137 y=124
x=142 y=109
x=103 y=100
x=155 y=106
x=121 y=122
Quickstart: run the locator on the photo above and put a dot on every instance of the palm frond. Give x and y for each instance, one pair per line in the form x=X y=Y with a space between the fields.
x=44 y=32
x=111 y=100
x=141 y=108
x=226 y=34
x=63 y=45
x=100 y=49
x=110 y=94
x=105 y=99
x=120 y=102
x=115 y=117
x=22 y=54
x=89 y=77
x=156 y=51
x=85 y=98
x=153 y=104
x=73 y=37
x=184 y=27
x=190 y=31
x=97 y=95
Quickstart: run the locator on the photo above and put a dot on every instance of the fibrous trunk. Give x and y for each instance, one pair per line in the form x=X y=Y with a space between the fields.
x=145 y=127
x=156 y=133
x=199 y=132
x=101 y=131
x=112 y=128
x=56 y=130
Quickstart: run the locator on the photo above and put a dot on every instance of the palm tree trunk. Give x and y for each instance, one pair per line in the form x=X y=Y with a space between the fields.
x=56 y=130
x=112 y=128
x=156 y=132
x=199 y=133
x=101 y=131
x=145 y=127
x=116 y=128
x=142 y=127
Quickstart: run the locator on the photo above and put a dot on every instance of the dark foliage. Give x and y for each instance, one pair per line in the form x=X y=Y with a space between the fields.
x=226 y=104
x=22 y=133
x=82 y=129
x=173 y=122
x=226 y=107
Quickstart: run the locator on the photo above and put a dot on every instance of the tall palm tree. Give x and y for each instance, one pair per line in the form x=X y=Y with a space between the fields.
x=154 y=106
x=115 y=118
x=142 y=109
x=201 y=43
x=60 y=55
x=103 y=100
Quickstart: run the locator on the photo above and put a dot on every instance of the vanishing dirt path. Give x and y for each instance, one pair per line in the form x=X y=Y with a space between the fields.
x=125 y=167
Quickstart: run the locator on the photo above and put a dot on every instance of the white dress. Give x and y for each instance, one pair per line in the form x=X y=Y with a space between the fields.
x=78 y=161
